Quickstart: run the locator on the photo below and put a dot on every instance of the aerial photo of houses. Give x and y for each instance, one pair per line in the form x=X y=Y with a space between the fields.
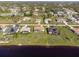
x=39 y=23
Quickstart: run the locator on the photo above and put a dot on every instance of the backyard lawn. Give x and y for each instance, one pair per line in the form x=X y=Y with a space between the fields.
x=65 y=37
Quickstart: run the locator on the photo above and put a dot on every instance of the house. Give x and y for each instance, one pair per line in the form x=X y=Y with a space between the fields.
x=48 y=20
x=43 y=9
x=52 y=13
x=60 y=13
x=38 y=28
x=72 y=18
x=51 y=30
x=70 y=12
x=76 y=17
x=25 y=29
x=38 y=21
x=35 y=13
x=6 y=14
x=55 y=15
x=36 y=9
x=9 y=29
x=24 y=8
x=59 y=19
x=0 y=28
x=76 y=30
x=45 y=14
x=26 y=18
x=28 y=13
x=14 y=11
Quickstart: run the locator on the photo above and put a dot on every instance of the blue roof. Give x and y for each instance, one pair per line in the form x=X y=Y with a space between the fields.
x=52 y=29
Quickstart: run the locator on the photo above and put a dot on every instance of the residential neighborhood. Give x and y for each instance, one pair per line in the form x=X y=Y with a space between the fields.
x=39 y=23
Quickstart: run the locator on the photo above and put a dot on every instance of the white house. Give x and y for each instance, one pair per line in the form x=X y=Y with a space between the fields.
x=60 y=13
x=43 y=8
x=47 y=20
x=25 y=29
x=15 y=10
x=51 y=13
x=72 y=18
x=26 y=18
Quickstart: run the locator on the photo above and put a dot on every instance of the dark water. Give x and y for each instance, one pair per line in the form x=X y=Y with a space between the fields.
x=28 y=51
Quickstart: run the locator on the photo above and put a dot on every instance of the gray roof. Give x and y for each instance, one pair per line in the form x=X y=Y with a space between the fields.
x=10 y=29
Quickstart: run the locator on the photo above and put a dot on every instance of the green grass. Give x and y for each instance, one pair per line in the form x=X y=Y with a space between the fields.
x=9 y=19
x=6 y=11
